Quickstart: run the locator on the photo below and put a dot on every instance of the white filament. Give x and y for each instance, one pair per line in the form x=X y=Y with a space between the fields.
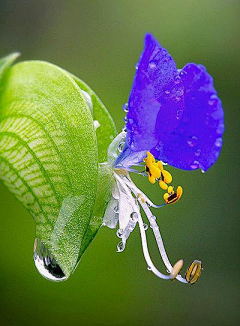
x=144 y=201
x=142 y=232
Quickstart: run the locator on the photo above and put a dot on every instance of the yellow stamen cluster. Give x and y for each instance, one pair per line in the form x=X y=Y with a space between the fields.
x=156 y=172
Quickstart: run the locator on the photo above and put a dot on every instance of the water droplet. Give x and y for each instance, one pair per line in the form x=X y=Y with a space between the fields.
x=203 y=171
x=125 y=119
x=125 y=107
x=152 y=64
x=198 y=152
x=195 y=165
x=213 y=100
x=116 y=209
x=136 y=67
x=120 y=246
x=192 y=142
x=119 y=233
x=124 y=129
x=149 y=268
x=220 y=129
x=167 y=92
x=46 y=264
x=145 y=226
x=177 y=79
x=218 y=142
x=182 y=73
x=134 y=216
x=121 y=146
x=179 y=114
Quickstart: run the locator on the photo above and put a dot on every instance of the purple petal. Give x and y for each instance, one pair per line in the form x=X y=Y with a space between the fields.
x=175 y=114
x=156 y=97
x=197 y=141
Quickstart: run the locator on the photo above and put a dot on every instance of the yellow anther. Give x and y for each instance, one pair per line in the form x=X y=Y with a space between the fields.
x=165 y=197
x=172 y=197
x=166 y=176
x=152 y=168
x=179 y=192
x=151 y=179
x=160 y=165
x=193 y=272
x=170 y=190
x=155 y=171
x=163 y=185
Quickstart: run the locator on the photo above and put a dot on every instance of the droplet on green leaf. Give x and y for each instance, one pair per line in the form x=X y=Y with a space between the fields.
x=50 y=151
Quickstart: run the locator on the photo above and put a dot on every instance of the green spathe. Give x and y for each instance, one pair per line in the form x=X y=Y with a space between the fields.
x=49 y=155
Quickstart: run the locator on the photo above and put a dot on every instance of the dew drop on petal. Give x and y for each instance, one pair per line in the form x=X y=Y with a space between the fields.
x=179 y=114
x=149 y=268
x=218 y=142
x=120 y=147
x=195 y=165
x=134 y=216
x=145 y=226
x=125 y=119
x=46 y=264
x=198 y=152
x=152 y=64
x=192 y=142
x=213 y=100
x=220 y=129
x=116 y=209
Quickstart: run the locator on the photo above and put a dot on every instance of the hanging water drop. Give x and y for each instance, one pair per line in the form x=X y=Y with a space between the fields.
x=119 y=233
x=149 y=268
x=120 y=246
x=145 y=226
x=46 y=264
x=125 y=107
x=121 y=146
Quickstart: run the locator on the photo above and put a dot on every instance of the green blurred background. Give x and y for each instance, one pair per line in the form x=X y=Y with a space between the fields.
x=100 y=42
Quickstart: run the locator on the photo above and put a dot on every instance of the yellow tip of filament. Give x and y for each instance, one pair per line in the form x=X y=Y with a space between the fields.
x=193 y=272
x=167 y=177
x=171 y=196
x=176 y=269
x=163 y=185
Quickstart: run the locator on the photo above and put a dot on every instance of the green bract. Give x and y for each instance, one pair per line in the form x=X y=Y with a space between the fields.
x=50 y=153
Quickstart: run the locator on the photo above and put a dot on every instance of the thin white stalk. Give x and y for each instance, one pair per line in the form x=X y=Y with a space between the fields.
x=159 y=240
x=139 y=192
x=143 y=234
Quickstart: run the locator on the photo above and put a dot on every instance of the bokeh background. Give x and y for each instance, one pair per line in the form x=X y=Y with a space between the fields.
x=100 y=41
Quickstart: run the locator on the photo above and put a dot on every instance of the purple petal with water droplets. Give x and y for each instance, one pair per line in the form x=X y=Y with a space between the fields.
x=197 y=141
x=175 y=114
x=155 y=100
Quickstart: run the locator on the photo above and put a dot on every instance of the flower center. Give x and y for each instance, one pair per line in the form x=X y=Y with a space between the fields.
x=156 y=172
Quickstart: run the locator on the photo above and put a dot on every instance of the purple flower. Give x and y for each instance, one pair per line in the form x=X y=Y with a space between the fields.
x=173 y=113
x=174 y=116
